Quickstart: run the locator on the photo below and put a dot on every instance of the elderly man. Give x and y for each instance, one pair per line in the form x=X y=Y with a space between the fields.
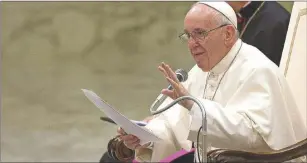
x=248 y=103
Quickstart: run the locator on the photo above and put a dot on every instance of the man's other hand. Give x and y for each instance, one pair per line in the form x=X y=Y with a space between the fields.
x=130 y=141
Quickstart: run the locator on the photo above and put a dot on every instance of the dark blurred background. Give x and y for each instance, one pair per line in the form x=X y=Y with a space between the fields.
x=50 y=50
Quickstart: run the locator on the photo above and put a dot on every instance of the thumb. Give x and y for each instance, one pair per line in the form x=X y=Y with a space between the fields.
x=169 y=93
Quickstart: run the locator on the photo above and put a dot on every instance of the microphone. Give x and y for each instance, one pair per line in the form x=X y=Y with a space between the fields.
x=182 y=76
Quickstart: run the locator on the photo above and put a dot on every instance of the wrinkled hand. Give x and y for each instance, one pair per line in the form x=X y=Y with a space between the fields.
x=178 y=89
x=130 y=141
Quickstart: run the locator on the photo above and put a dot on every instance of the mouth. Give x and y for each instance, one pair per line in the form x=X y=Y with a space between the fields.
x=198 y=54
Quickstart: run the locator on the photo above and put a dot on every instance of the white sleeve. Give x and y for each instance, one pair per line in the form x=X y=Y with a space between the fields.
x=160 y=149
x=224 y=127
x=245 y=120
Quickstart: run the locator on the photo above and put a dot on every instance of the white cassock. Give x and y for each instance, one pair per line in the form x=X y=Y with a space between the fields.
x=253 y=109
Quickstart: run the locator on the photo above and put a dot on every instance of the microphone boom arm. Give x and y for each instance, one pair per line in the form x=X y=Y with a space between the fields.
x=204 y=119
x=160 y=99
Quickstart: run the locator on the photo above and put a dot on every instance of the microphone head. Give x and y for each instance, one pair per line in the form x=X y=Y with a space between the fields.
x=182 y=75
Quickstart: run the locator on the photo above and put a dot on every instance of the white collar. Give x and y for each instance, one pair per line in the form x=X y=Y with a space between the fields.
x=226 y=61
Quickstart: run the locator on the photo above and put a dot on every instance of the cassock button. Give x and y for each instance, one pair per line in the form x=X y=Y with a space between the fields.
x=209 y=97
x=212 y=87
x=215 y=77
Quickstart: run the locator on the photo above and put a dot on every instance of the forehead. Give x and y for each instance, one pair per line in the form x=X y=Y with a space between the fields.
x=199 y=17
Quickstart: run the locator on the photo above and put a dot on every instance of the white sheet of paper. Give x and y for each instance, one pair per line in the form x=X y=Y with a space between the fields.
x=142 y=133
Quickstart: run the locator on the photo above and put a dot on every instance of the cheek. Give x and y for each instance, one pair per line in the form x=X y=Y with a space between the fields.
x=207 y=45
x=214 y=45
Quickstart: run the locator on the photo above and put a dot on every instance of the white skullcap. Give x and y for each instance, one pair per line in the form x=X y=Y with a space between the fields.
x=223 y=8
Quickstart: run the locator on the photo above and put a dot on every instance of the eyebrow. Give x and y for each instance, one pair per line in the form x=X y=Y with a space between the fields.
x=196 y=29
x=199 y=29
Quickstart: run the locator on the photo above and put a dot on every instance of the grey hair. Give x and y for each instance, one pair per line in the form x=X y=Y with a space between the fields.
x=221 y=19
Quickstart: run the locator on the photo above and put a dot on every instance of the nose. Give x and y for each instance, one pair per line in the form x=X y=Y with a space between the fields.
x=192 y=43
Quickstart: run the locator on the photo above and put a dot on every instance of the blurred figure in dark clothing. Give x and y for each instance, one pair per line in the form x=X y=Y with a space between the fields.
x=263 y=25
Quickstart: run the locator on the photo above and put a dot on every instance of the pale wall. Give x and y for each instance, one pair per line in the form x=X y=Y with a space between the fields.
x=52 y=50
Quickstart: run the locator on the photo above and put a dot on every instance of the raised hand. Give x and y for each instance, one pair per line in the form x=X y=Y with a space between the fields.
x=178 y=89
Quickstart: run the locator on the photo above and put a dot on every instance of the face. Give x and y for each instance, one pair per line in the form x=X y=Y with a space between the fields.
x=206 y=50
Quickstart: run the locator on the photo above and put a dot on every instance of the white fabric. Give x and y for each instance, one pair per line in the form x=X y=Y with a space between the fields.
x=224 y=8
x=253 y=109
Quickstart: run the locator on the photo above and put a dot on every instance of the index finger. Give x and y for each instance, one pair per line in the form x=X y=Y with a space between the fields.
x=170 y=72
x=163 y=71
x=174 y=84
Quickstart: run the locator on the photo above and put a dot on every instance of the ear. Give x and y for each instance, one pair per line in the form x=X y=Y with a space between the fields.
x=230 y=34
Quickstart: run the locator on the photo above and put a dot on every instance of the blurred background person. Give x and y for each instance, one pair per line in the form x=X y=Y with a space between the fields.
x=263 y=25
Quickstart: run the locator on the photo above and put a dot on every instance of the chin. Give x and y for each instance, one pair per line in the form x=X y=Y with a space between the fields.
x=202 y=67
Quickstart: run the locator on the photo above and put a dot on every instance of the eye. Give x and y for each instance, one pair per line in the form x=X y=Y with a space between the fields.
x=199 y=32
x=204 y=33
